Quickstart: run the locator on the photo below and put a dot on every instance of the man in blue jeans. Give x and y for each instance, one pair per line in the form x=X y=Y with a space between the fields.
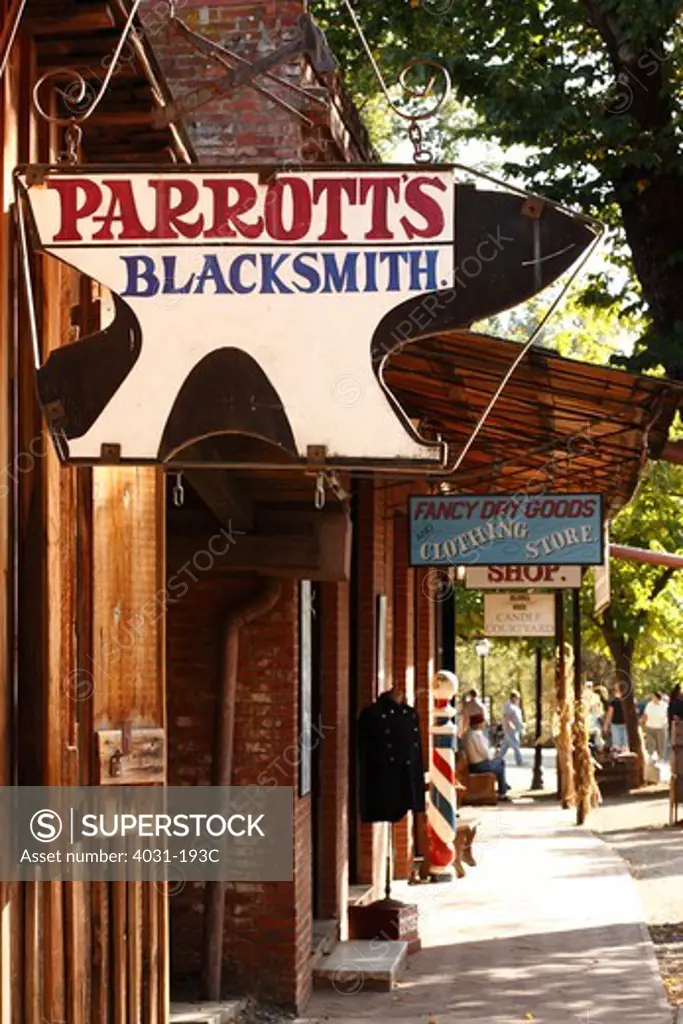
x=513 y=725
x=478 y=753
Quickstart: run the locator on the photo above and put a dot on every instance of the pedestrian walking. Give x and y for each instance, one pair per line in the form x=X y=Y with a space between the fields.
x=615 y=720
x=513 y=726
x=675 y=706
x=655 y=724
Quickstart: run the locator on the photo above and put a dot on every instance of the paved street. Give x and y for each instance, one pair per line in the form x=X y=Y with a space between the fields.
x=549 y=927
x=654 y=853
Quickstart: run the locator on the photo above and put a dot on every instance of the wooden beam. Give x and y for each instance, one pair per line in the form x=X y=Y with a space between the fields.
x=92 y=18
x=90 y=67
x=646 y=557
x=126 y=116
x=229 y=503
x=78 y=48
x=321 y=551
x=190 y=557
x=672 y=452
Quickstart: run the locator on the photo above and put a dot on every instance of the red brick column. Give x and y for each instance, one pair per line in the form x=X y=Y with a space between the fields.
x=333 y=735
x=267 y=940
x=425 y=658
x=371 y=582
x=404 y=665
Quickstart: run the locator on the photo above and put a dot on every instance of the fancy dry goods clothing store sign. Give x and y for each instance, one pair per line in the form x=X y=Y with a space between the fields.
x=504 y=529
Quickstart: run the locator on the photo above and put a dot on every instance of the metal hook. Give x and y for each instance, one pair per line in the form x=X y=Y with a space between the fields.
x=320 y=498
x=179 y=491
x=73 y=136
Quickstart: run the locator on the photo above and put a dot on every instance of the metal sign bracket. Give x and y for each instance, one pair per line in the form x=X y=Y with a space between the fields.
x=308 y=41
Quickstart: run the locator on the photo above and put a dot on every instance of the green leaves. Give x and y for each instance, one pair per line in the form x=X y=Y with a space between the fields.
x=591 y=92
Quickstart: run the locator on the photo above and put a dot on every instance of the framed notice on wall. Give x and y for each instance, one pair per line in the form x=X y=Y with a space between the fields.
x=519 y=614
x=305 y=685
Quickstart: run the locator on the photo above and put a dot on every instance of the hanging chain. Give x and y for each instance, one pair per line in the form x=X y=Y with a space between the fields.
x=424 y=93
x=179 y=491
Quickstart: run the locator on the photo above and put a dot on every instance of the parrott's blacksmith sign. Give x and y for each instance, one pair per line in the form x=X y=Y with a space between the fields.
x=266 y=302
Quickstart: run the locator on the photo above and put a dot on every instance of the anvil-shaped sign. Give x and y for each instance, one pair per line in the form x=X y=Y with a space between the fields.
x=266 y=303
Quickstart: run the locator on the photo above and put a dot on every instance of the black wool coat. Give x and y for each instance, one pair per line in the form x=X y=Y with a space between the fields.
x=390 y=764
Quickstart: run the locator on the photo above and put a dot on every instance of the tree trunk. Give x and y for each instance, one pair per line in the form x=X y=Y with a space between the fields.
x=623 y=659
x=648 y=186
x=652 y=218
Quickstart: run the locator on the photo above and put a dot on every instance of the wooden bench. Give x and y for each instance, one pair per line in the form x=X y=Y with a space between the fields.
x=479 y=789
x=617 y=773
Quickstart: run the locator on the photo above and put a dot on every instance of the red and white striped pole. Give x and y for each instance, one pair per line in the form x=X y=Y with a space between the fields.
x=442 y=813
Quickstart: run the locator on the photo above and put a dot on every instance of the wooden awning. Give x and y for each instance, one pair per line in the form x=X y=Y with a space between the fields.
x=560 y=424
x=83 y=35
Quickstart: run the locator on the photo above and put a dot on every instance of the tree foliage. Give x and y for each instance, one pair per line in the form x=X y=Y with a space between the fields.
x=590 y=90
x=641 y=631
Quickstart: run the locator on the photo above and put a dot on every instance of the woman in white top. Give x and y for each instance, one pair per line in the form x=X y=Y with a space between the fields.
x=655 y=723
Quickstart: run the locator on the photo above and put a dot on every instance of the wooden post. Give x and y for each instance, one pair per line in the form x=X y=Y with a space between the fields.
x=575 y=640
x=578 y=698
x=560 y=667
x=537 y=778
x=128 y=673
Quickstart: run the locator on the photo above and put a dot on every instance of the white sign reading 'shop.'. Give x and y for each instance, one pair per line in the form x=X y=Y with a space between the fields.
x=519 y=615
x=522 y=577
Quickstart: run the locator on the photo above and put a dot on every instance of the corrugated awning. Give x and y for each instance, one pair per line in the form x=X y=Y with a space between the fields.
x=560 y=424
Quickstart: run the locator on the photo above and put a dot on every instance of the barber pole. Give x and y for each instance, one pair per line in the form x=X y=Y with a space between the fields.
x=442 y=811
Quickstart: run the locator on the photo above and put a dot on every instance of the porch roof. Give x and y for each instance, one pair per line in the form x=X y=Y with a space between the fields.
x=82 y=35
x=560 y=424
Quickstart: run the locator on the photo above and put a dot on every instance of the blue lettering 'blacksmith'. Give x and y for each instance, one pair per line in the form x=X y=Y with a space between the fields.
x=290 y=273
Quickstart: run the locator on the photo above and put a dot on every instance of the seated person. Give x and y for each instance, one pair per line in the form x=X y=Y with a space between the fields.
x=471 y=705
x=478 y=753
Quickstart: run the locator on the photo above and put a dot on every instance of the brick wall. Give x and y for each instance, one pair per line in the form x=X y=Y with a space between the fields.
x=372 y=551
x=244 y=126
x=268 y=926
x=404 y=663
x=267 y=939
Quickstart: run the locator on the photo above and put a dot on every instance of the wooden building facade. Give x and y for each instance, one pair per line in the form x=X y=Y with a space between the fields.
x=116 y=613
x=82 y=554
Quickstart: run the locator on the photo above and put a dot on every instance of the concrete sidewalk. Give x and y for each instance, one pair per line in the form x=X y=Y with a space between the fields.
x=548 y=927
